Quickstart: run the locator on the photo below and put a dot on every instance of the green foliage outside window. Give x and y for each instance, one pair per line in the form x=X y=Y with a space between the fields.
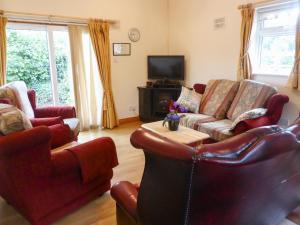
x=28 y=60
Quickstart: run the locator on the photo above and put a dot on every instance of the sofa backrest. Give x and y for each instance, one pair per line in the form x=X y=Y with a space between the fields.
x=218 y=97
x=251 y=95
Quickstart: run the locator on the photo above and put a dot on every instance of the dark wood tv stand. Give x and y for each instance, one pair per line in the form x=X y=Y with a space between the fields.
x=154 y=102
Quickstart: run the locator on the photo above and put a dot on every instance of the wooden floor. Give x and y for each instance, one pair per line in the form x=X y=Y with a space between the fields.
x=102 y=210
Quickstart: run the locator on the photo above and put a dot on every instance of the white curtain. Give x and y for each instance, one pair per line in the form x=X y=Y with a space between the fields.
x=87 y=86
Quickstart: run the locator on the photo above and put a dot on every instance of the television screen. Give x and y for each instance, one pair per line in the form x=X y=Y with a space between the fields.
x=166 y=67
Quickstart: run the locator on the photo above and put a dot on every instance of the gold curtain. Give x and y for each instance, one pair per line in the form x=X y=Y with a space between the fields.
x=3 y=21
x=86 y=80
x=244 y=66
x=294 y=80
x=99 y=32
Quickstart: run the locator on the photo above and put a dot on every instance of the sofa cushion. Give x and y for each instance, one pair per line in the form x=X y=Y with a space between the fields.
x=218 y=130
x=189 y=99
x=251 y=114
x=218 y=97
x=20 y=90
x=193 y=121
x=12 y=120
x=251 y=95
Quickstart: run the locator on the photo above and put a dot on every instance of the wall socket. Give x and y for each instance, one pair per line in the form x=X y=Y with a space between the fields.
x=132 y=109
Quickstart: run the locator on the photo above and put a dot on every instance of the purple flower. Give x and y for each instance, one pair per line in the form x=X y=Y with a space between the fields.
x=183 y=109
x=174 y=117
x=175 y=104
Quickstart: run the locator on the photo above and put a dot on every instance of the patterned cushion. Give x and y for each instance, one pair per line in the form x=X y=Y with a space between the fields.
x=218 y=130
x=12 y=120
x=20 y=90
x=251 y=114
x=8 y=93
x=189 y=99
x=251 y=95
x=193 y=121
x=218 y=97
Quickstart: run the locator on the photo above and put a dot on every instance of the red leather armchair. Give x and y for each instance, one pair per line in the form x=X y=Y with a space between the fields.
x=46 y=185
x=250 y=179
x=52 y=115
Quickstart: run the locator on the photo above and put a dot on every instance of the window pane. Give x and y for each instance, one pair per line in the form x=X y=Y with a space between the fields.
x=277 y=54
x=272 y=46
x=28 y=60
x=64 y=77
x=280 y=18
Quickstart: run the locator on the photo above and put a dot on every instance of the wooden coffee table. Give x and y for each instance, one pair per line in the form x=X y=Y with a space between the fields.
x=183 y=135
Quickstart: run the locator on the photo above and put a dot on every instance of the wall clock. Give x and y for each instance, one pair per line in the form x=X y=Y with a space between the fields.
x=134 y=34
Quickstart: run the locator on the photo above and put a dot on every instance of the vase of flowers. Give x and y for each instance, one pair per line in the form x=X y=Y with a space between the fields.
x=173 y=118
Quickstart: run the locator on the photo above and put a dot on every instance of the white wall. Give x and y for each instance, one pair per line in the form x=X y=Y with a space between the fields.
x=177 y=26
x=128 y=72
x=214 y=53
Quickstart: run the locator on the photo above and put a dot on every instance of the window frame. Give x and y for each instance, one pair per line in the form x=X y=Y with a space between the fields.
x=49 y=29
x=258 y=33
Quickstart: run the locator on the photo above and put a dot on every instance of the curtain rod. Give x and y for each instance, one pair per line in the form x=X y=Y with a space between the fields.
x=261 y=3
x=20 y=17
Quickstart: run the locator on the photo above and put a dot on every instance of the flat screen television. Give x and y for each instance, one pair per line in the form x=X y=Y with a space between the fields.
x=166 y=67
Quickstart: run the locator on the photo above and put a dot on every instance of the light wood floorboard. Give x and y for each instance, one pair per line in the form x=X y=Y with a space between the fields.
x=102 y=210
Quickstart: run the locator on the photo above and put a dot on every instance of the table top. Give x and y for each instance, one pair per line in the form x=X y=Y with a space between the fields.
x=183 y=135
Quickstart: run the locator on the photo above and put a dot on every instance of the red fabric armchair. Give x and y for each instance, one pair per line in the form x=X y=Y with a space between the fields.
x=45 y=185
x=252 y=178
x=52 y=115
x=64 y=112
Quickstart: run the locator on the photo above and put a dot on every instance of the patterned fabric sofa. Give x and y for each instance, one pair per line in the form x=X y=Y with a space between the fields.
x=223 y=101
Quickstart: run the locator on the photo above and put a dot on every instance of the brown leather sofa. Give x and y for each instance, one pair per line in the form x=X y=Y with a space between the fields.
x=250 y=179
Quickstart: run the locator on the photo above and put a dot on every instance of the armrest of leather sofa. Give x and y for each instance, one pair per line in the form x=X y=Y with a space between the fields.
x=234 y=151
x=125 y=194
x=274 y=110
x=156 y=144
x=246 y=125
x=253 y=146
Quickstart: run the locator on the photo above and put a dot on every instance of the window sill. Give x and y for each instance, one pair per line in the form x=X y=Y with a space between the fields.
x=270 y=75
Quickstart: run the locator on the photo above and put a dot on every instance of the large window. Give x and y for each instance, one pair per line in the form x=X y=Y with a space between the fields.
x=40 y=56
x=273 y=42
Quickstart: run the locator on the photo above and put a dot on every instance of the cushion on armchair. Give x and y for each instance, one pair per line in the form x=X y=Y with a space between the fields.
x=7 y=96
x=251 y=95
x=12 y=120
x=20 y=90
x=218 y=97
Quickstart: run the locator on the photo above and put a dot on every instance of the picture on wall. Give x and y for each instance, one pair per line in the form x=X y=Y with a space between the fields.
x=121 y=49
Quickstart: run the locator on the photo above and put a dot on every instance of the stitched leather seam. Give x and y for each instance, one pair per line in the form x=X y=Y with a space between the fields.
x=187 y=213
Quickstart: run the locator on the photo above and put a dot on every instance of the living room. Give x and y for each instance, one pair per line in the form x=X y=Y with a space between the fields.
x=92 y=147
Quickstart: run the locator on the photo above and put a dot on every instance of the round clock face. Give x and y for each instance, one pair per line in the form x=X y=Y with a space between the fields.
x=134 y=35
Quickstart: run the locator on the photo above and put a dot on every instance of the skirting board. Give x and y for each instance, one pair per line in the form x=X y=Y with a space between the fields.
x=129 y=120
